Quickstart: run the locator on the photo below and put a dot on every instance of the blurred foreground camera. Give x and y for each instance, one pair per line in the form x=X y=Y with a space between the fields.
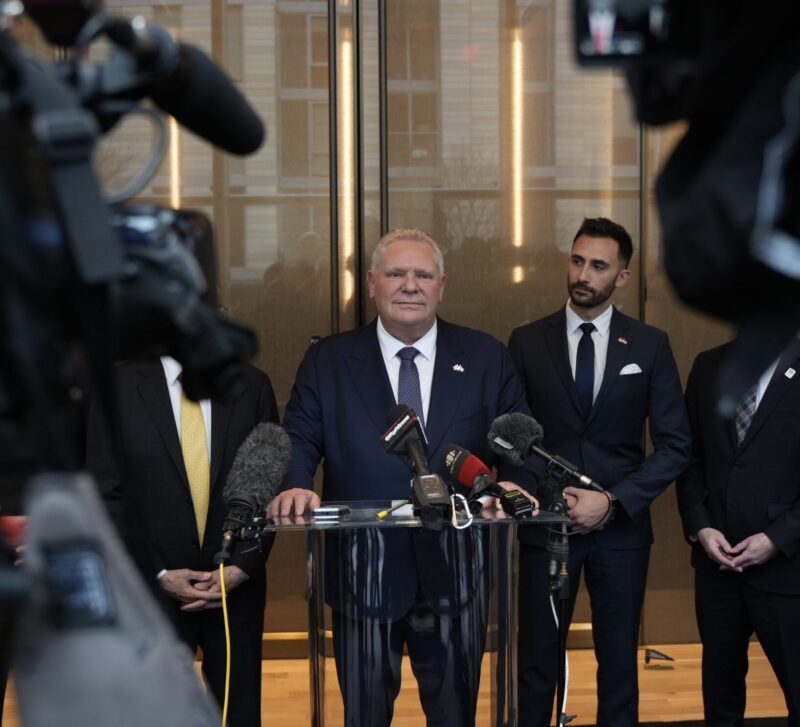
x=83 y=283
x=86 y=281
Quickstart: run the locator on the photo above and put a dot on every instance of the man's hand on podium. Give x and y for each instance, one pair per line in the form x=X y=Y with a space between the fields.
x=295 y=501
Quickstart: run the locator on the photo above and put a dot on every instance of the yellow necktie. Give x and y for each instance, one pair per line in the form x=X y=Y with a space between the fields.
x=195 y=457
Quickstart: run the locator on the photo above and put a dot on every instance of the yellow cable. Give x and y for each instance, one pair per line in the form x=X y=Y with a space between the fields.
x=227 y=644
x=383 y=513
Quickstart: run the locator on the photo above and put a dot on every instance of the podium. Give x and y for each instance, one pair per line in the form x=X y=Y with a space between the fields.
x=357 y=563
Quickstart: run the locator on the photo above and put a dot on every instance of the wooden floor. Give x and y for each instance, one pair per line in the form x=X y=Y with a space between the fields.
x=669 y=691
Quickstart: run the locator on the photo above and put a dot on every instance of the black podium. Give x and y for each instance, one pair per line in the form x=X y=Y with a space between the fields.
x=350 y=556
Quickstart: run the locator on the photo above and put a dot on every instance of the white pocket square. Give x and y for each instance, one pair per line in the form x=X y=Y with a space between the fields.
x=630 y=369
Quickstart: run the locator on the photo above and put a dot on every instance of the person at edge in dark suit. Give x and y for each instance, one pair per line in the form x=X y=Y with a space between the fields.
x=162 y=480
x=592 y=378
x=740 y=504
x=414 y=587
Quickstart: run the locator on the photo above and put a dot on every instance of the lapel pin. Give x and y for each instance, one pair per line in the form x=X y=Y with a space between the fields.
x=622 y=340
x=790 y=373
x=459 y=368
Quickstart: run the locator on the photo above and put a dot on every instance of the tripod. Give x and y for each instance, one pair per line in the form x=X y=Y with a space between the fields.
x=555 y=480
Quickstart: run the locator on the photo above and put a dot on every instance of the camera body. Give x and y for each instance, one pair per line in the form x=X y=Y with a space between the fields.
x=86 y=283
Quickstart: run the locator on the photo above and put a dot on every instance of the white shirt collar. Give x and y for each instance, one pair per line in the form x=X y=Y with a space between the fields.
x=172 y=369
x=602 y=323
x=391 y=345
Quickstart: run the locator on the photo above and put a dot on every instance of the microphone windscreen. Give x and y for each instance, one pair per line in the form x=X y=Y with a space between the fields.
x=260 y=463
x=202 y=98
x=512 y=435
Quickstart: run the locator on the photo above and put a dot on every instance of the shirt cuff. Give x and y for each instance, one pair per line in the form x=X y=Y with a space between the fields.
x=161 y=574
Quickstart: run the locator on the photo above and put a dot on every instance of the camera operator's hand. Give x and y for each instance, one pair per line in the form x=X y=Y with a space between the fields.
x=186 y=585
x=297 y=501
x=234 y=576
x=587 y=508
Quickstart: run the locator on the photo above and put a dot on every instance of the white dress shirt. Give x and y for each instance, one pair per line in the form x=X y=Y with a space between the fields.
x=424 y=360
x=602 y=325
x=764 y=380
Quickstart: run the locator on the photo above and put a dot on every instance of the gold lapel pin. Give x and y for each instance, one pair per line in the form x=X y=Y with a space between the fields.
x=623 y=341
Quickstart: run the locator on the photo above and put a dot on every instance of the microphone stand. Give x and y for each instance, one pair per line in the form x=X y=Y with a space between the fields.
x=558 y=547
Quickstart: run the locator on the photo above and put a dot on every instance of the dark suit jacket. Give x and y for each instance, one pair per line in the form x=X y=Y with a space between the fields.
x=750 y=488
x=142 y=478
x=608 y=446
x=337 y=412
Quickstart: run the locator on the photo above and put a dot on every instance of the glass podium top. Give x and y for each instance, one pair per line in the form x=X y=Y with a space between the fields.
x=365 y=514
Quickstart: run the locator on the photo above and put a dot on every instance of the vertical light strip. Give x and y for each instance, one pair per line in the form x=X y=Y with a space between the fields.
x=347 y=134
x=174 y=164
x=517 y=159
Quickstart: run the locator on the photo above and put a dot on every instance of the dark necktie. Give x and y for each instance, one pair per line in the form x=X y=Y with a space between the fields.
x=408 y=391
x=584 y=368
x=745 y=412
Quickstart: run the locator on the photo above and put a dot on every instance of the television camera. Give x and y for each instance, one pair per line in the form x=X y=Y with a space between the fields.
x=86 y=281
x=727 y=196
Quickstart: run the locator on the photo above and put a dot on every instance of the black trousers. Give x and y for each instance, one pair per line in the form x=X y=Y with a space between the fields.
x=729 y=611
x=206 y=630
x=616 y=581
x=445 y=653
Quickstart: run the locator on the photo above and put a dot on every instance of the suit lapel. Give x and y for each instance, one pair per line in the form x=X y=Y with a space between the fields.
x=556 y=337
x=153 y=390
x=221 y=411
x=448 y=383
x=369 y=376
x=774 y=392
x=617 y=353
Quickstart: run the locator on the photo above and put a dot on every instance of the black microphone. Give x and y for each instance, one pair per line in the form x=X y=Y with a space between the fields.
x=185 y=83
x=255 y=476
x=429 y=494
x=473 y=474
x=405 y=435
x=516 y=436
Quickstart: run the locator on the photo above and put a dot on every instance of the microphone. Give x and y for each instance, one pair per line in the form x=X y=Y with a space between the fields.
x=405 y=435
x=255 y=476
x=429 y=494
x=185 y=83
x=516 y=436
x=473 y=474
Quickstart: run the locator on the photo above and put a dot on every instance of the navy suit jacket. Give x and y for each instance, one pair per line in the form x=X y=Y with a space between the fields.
x=609 y=444
x=337 y=413
x=752 y=487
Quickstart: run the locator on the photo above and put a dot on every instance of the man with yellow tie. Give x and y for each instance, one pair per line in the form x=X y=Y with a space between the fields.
x=162 y=477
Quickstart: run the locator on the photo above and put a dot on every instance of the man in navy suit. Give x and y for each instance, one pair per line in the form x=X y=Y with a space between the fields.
x=390 y=588
x=740 y=504
x=593 y=377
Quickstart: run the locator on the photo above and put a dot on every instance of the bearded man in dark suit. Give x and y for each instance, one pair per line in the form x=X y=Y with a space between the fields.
x=593 y=377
